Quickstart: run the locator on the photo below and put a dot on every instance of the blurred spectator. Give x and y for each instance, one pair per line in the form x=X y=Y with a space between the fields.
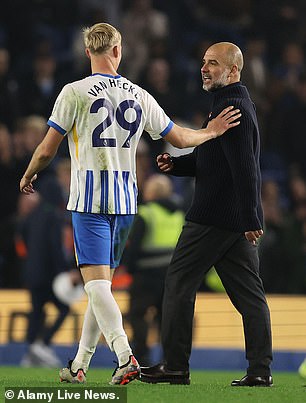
x=29 y=132
x=143 y=166
x=158 y=82
x=9 y=91
x=151 y=243
x=42 y=233
x=40 y=89
x=297 y=186
x=255 y=75
x=148 y=24
x=9 y=176
x=293 y=132
x=62 y=169
x=292 y=64
x=282 y=265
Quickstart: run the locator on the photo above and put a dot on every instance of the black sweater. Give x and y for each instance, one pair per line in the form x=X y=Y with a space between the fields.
x=226 y=169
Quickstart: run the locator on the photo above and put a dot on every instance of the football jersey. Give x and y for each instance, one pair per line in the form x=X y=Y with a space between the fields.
x=103 y=117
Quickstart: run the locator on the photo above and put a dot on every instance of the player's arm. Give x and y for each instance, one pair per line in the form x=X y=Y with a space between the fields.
x=182 y=137
x=41 y=158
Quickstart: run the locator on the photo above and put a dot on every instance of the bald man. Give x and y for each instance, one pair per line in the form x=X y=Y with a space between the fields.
x=222 y=229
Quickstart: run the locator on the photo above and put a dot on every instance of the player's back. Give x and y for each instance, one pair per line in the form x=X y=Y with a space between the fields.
x=104 y=117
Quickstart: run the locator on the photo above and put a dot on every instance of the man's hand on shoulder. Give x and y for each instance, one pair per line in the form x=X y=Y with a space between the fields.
x=224 y=121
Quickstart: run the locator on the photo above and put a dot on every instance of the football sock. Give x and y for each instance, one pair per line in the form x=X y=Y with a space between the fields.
x=109 y=318
x=88 y=342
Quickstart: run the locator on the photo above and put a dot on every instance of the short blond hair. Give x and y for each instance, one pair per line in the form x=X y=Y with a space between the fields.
x=101 y=37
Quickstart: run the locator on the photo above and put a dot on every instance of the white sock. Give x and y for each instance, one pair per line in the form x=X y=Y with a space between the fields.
x=88 y=342
x=109 y=318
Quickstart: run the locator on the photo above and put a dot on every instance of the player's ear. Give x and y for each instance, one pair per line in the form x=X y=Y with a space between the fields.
x=116 y=51
x=87 y=53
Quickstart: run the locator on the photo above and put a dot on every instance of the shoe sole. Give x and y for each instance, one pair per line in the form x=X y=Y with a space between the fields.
x=178 y=381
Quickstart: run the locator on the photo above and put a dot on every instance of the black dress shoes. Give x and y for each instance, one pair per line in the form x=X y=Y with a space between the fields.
x=250 y=380
x=160 y=373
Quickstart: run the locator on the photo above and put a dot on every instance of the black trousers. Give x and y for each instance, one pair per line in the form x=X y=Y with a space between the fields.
x=236 y=261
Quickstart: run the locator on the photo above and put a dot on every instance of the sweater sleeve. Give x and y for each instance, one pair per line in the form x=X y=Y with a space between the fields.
x=185 y=165
x=239 y=146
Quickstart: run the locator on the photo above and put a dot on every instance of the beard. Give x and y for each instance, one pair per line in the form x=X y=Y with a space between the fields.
x=222 y=81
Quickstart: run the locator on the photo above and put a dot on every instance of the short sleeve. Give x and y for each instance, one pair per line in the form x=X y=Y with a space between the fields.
x=64 y=111
x=157 y=124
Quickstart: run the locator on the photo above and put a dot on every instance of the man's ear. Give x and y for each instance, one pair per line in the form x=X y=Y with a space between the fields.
x=87 y=53
x=234 y=70
x=116 y=51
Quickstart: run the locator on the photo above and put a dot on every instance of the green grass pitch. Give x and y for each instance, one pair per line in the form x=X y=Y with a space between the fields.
x=206 y=386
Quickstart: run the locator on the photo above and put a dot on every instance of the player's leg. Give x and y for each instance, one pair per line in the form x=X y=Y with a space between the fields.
x=95 y=237
x=128 y=367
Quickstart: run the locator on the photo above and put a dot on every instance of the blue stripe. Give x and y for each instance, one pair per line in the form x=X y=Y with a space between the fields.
x=135 y=194
x=91 y=183
x=167 y=129
x=116 y=193
x=78 y=181
x=125 y=177
x=104 y=191
x=56 y=127
x=88 y=192
x=106 y=75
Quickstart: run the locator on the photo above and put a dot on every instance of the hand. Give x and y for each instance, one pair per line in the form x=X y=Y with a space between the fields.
x=26 y=185
x=164 y=162
x=224 y=121
x=253 y=236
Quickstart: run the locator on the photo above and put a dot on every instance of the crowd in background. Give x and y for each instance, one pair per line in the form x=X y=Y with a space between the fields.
x=41 y=49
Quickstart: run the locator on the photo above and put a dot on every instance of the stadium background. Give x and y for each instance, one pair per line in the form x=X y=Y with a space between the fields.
x=41 y=50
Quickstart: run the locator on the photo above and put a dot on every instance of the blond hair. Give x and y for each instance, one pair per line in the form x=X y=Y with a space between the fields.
x=101 y=37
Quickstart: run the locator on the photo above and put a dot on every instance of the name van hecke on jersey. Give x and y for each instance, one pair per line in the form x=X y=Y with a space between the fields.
x=113 y=83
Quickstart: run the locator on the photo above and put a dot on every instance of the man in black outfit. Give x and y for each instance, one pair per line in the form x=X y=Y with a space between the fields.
x=222 y=227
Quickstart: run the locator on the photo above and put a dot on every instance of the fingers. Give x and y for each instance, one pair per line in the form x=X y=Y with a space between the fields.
x=165 y=157
x=26 y=185
x=253 y=236
x=164 y=162
x=226 y=110
x=231 y=116
x=27 y=189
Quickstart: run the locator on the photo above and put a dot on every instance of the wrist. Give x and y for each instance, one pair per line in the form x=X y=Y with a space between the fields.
x=211 y=133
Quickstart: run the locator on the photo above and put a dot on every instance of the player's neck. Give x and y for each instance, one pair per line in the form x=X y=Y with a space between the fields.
x=104 y=66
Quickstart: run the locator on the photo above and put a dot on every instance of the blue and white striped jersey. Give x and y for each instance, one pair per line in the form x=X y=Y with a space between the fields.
x=104 y=117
